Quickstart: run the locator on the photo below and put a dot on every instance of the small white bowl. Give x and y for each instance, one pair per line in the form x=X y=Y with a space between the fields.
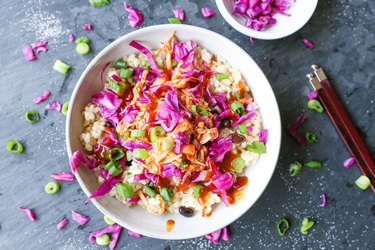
x=300 y=11
x=136 y=218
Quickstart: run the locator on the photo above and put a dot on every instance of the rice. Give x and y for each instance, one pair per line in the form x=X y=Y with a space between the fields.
x=94 y=126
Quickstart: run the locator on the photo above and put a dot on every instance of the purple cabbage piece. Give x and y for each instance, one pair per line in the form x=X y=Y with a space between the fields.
x=183 y=49
x=108 y=102
x=105 y=187
x=114 y=230
x=219 y=147
x=152 y=177
x=169 y=112
x=78 y=158
x=131 y=145
x=129 y=114
x=244 y=118
x=80 y=218
x=223 y=181
x=169 y=170
x=180 y=140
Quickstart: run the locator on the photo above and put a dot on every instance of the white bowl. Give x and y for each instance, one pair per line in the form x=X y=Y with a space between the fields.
x=301 y=11
x=136 y=218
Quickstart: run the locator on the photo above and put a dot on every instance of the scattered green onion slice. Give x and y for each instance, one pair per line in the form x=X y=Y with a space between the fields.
x=103 y=240
x=166 y=193
x=128 y=156
x=14 y=146
x=202 y=111
x=183 y=165
x=156 y=132
x=65 y=107
x=32 y=116
x=221 y=76
x=363 y=182
x=121 y=63
x=174 y=63
x=173 y=20
x=197 y=190
x=61 y=67
x=237 y=95
x=52 y=187
x=115 y=154
x=193 y=109
x=313 y=164
x=82 y=39
x=295 y=168
x=282 y=226
x=311 y=137
x=114 y=168
x=140 y=153
x=97 y=3
x=165 y=144
x=242 y=128
x=237 y=108
x=83 y=48
x=238 y=164
x=126 y=136
x=137 y=133
x=257 y=147
x=315 y=105
x=306 y=225
x=151 y=192
x=125 y=190
x=126 y=73
x=108 y=220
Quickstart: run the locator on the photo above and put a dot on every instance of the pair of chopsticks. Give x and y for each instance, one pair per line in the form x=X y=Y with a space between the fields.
x=343 y=123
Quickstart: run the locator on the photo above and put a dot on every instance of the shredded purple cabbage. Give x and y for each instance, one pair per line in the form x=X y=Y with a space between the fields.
x=148 y=54
x=62 y=223
x=43 y=97
x=80 y=218
x=293 y=130
x=134 y=234
x=108 y=102
x=179 y=13
x=81 y=159
x=135 y=17
x=219 y=147
x=170 y=170
x=207 y=12
x=223 y=181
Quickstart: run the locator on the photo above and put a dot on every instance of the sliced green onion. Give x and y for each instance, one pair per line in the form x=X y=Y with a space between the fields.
x=306 y=225
x=202 y=111
x=237 y=108
x=52 y=187
x=126 y=135
x=156 y=132
x=173 y=20
x=83 y=48
x=65 y=107
x=221 y=76
x=126 y=73
x=140 y=153
x=14 y=146
x=125 y=190
x=61 y=67
x=121 y=63
x=174 y=63
x=147 y=65
x=114 y=168
x=103 y=240
x=166 y=193
x=183 y=165
x=128 y=156
x=295 y=168
x=165 y=144
x=32 y=116
x=237 y=95
x=282 y=226
x=257 y=147
x=82 y=39
x=115 y=154
x=151 y=192
x=193 y=109
x=313 y=164
x=197 y=190
x=108 y=220
x=238 y=164
x=137 y=133
x=363 y=182
x=315 y=105
x=213 y=110
x=311 y=137
x=242 y=128
x=97 y=3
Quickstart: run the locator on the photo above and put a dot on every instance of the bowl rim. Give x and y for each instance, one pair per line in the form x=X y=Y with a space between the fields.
x=277 y=136
x=258 y=34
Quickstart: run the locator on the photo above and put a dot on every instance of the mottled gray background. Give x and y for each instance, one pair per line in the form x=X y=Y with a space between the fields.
x=343 y=32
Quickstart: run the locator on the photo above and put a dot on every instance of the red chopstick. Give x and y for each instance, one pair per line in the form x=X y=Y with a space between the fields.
x=343 y=124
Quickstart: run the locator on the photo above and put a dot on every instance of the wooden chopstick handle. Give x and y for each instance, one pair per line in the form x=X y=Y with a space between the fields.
x=347 y=130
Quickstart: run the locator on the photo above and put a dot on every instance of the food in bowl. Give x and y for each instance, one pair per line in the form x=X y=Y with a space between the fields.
x=172 y=130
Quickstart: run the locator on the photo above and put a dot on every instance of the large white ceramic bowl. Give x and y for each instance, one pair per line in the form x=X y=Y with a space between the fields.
x=136 y=218
x=301 y=11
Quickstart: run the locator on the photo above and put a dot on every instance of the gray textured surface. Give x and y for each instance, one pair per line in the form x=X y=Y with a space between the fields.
x=343 y=32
